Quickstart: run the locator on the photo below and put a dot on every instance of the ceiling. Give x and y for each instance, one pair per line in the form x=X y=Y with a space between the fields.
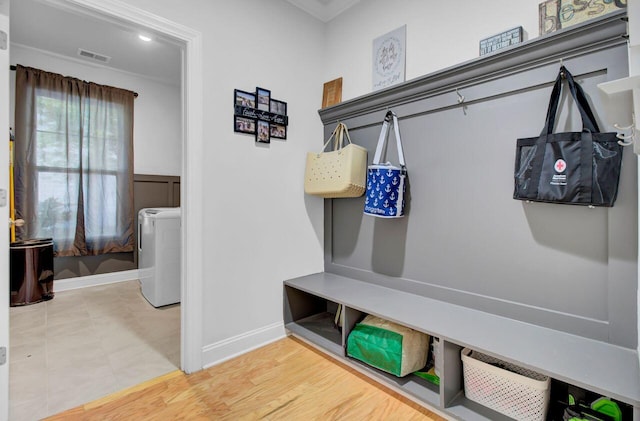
x=325 y=10
x=62 y=32
x=48 y=26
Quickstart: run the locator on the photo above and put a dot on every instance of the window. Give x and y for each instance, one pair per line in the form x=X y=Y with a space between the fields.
x=74 y=170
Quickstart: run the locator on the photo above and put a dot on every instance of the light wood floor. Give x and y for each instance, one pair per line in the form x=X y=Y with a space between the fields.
x=286 y=380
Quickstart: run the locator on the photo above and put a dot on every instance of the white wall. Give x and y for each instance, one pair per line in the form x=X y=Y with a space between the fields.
x=157 y=127
x=439 y=35
x=258 y=228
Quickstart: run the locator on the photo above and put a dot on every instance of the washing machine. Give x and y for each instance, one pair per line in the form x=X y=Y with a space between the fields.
x=159 y=255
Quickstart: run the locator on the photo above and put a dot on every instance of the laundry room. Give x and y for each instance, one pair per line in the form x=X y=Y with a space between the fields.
x=76 y=294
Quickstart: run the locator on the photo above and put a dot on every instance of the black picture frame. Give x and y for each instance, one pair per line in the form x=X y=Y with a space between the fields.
x=262 y=132
x=244 y=125
x=278 y=131
x=263 y=99
x=278 y=107
x=244 y=98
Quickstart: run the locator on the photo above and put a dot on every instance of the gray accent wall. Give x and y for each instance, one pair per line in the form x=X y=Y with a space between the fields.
x=465 y=240
x=148 y=191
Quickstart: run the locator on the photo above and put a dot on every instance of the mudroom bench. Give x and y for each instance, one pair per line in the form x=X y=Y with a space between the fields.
x=310 y=304
x=545 y=287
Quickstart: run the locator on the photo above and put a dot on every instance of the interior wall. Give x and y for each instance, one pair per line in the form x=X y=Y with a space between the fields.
x=464 y=239
x=259 y=228
x=439 y=35
x=157 y=130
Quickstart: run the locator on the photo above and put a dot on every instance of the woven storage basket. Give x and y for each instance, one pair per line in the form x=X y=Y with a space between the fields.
x=514 y=391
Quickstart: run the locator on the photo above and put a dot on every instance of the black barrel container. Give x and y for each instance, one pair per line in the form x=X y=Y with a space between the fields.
x=31 y=271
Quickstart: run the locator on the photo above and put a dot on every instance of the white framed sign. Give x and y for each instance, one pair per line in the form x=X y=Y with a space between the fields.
x=389 y=52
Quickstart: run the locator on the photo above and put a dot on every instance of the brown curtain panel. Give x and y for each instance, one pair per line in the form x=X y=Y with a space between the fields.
x=74 y=163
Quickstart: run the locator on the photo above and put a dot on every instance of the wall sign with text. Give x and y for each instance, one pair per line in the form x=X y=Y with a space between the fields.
x=559 y=14
x=389 y=56
x=257 y=114
x=501 y=40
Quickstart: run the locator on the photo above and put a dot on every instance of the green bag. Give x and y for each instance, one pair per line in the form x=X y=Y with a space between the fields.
x=388 y=346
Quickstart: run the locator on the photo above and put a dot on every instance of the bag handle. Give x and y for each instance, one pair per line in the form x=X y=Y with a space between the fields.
x=390 y=119
x=589 y=126
x=588 y=119
x=338 y=137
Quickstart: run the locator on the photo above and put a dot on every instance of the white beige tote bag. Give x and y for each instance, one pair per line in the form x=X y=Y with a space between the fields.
x=337 y=173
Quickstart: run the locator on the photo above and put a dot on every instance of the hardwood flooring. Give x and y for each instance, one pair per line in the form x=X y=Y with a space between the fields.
x=285 y=380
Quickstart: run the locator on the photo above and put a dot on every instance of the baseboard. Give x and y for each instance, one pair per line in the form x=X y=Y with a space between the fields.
x=94 y=280
x=222 y=351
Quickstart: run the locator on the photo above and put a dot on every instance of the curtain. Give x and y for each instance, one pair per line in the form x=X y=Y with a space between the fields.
x=74 y=163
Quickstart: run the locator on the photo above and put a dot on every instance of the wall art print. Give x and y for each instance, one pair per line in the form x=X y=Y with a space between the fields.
x=559 y=14
x=389 y=53
x=258 y=114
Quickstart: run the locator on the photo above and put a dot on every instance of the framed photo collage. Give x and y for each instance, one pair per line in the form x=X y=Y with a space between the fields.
x=256 y=113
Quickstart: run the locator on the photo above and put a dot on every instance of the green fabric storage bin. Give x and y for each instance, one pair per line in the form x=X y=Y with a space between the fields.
x=388 y=346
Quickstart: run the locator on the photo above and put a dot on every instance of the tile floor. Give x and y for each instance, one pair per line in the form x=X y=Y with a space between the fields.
x=85 y=344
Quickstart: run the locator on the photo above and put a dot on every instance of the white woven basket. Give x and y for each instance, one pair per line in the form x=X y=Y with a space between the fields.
x=514 y=391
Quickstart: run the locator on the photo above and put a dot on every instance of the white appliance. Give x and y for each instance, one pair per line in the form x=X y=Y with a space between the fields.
x=159 y=255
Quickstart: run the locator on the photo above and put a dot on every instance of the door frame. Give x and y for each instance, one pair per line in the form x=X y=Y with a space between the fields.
x=191 y=256
x=4 y=213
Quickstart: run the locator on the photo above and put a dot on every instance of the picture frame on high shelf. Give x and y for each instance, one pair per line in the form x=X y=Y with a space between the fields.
x=263 y=99
x=332 y=93
x=389 y=58
x=278 y=131
x=278 y=107
x=262 y=132
x=244 y=125
x=244 y=98
x=554 y=15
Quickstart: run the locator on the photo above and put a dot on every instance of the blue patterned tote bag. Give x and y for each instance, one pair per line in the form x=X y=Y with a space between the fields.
x=386 y=183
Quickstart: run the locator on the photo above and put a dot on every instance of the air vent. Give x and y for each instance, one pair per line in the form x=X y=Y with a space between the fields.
x=93 y=56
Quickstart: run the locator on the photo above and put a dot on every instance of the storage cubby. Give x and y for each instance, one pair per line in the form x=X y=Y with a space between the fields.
x=313 y=318
x=411 y=384
x=504 y=387
x=601 y=369
x=559 y=400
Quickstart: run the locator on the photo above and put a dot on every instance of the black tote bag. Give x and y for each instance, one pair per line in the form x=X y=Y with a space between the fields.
x=574 y=168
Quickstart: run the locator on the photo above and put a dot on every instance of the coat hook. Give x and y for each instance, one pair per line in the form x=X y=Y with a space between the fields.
x=619 y=127
x=626 y=140
x=460 y=97
x=562 y=75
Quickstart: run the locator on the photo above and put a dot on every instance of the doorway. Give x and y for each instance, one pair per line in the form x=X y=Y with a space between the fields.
x=191 y=99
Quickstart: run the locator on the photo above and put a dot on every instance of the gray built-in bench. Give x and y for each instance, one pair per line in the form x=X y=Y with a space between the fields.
x=547 y=287
x=310 y=304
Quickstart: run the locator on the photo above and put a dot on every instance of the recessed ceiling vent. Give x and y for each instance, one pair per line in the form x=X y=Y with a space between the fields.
x=93 y=56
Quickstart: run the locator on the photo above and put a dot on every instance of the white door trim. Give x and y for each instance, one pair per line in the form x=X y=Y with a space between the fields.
x=192 y=145
x=4 y=217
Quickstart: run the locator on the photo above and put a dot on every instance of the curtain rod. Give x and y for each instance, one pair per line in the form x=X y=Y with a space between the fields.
x=13 y=68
